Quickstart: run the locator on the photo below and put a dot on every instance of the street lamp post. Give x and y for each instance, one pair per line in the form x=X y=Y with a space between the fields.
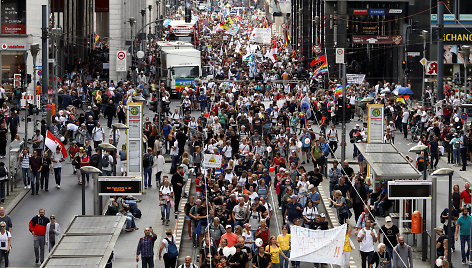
x=444 y=172
x=143 y=22
x=132 y=21
x=465 y=54
x=34 y=49
x=116 y=126
x=424 y=237
x=94 y=171
x=425 y=36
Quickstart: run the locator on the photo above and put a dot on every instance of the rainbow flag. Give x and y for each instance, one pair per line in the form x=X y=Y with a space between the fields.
x=266 y=23
x=323 y=69
x=338 y=90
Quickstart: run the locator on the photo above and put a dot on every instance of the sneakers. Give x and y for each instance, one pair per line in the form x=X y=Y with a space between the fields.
x=29 y=186
x=464 y=263
x=26 y=187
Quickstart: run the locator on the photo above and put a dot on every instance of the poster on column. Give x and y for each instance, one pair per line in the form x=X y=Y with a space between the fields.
x=317 y=246
x=376 y=123
x=134 y=140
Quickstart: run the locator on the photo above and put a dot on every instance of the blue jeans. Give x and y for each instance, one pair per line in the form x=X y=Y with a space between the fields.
x=390 y=252
x=26 y=176
x=147 y=176
x=130 y=221
x=283 y=262
x=165 y=211
x=455 y=156
x=201 y=224
x=57 y=175
x=35 y=178
x=240 y=223
x=379 y=205
x=464 y=239
x=147 y=262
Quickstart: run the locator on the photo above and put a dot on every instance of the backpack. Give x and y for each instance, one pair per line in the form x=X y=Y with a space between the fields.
x=95 y=160
x=172 y=251
x=3 y=172
x=147 y=161
x=105 y=161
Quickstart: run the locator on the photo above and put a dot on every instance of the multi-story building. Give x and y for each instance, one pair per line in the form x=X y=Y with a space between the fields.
x=20 y=26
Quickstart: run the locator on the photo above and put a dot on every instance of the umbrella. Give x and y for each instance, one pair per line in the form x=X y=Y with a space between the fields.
x=385 y=90
x=403 y=91
x=367 y=99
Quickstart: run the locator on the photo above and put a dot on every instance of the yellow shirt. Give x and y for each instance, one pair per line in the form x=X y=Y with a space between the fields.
x=347 y=243
x=274 y=253
x=284 y=241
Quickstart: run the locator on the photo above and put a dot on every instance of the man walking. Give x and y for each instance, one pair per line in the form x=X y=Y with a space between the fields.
x=463 y=231
x=402 y=256
x=35 y=164
x=178 y=185
x=37 y=227
x=146 y=248
x=391 y=234
x=367 y=238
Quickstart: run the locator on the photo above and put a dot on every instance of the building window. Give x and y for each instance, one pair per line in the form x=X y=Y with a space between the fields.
x=13 y=17
x=12 y=63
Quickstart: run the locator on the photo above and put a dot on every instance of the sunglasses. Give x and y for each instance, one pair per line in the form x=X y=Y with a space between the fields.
x=3 y=226
x=52 y=218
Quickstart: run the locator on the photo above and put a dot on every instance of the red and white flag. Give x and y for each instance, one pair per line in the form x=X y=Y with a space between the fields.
x=52 y=142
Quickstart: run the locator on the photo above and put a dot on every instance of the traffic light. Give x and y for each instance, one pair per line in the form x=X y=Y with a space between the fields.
x=23 y=77
x=404 y=64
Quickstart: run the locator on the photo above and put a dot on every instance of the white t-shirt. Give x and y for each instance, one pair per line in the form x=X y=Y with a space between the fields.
x=367 y=244
x=4 y=240
x=332 y=134
x=98 y=133
x=405 y=116
x=166 y=191
x=310 y=213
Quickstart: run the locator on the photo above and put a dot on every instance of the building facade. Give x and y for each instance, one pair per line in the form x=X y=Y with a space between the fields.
x=20 y=26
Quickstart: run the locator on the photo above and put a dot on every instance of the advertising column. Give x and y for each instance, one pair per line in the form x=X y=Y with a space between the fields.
x=134 y=140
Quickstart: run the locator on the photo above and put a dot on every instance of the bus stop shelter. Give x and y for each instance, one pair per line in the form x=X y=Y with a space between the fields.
x=387 y=163
x=87 y=242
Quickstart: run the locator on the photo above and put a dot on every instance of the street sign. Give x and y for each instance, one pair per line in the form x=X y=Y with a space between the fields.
x=118 y=185
x=376 y=121
x=464 y=116
x=121 y=61
x=407 y=190
x=423 y=61
x=317 y=49
x=339 y=55
x=413 y=54
x=432 y=68
x=284 y=26
x=40 y=72
x=212 y=160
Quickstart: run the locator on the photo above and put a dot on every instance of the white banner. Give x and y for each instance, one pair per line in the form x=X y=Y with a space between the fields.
x=355 y=78
x=316 y=246
x=212 y=160
x=261 y=35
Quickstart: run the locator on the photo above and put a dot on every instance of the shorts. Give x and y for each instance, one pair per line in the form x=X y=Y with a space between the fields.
x=187 y=218
x=305 y=149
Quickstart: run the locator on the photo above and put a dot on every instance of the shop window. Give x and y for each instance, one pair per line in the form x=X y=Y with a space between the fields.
x=12 y=63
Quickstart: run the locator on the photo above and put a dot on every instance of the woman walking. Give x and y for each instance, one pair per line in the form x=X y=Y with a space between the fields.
x=284 y=242
x=341 y=206
x=166 y=195
x=275 y=252
x=53 y=230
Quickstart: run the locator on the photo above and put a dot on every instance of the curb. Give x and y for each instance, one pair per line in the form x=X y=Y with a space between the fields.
x=331 y=214
x=14 y=203
x=181 y=217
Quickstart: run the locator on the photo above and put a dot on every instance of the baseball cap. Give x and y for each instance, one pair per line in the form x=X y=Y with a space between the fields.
x=439 y=228
x=322 y=215
x=228 y=226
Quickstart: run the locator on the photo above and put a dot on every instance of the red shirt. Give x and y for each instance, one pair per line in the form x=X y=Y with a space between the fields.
x=465 y=195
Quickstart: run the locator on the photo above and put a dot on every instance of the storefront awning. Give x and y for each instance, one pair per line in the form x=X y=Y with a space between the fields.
x=387 y=162
x=87 y=242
